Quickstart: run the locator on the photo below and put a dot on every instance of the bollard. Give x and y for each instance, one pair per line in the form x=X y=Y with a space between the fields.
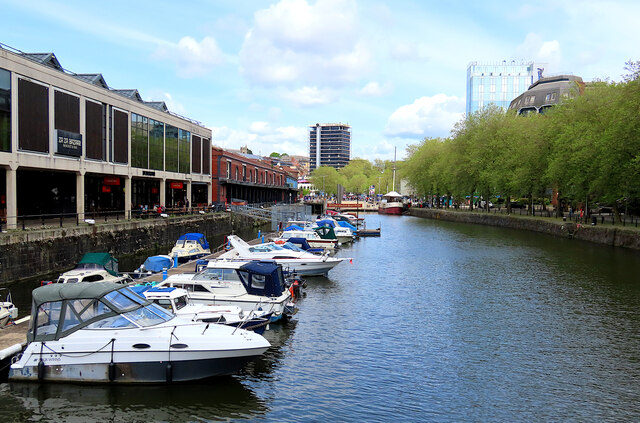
x=175 y=261
x=165 y=274
x=263 y=239
x=259 y=234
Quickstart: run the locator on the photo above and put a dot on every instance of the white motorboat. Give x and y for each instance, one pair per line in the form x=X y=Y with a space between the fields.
x=94 y=267
x=292 y=258
x=104 y=332
x=8 y=311
x=177 y=301
x=254 y=286
x=190 y=246
x=312 y=237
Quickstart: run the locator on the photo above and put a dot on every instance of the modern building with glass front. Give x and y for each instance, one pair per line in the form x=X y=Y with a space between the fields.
x=329 y=145
x=69 y=144
x=497 y=83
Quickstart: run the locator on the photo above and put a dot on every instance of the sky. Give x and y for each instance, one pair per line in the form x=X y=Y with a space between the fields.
x=259 y=73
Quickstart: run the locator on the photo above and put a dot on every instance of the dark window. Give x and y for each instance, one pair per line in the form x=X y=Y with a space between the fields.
x=171 y=148
x=120 y=136
x=67 y=112
x=156 y=145
x=95 y=130
x=139 y=141
x=184 y=151
x=206 y=156
x=196 y=151
x=5 y=110
x=33 y=116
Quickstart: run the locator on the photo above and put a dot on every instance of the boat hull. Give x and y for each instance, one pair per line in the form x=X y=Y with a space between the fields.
x=135 y=371
x=391 y=210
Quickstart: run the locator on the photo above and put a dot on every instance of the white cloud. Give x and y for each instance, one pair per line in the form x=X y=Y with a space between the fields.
x=407 y=51
x=262 y=138
x=297 y=42
x=374 y=89
x=192 y=58
x=427 y=116
x=309 y=96
x=547 y=52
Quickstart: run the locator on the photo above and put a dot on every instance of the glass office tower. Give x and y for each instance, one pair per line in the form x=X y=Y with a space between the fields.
x=497 y=83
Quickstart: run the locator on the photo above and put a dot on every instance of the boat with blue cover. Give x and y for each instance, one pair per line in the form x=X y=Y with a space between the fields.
x=190 y=246
x=255 y=287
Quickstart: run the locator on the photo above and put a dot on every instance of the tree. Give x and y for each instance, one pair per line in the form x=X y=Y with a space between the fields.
x=274 y=154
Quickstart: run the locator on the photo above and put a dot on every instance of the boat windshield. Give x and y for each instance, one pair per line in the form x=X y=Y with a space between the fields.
x=265 y=248
x=124 y=299
x=212 y=274
x=292 y=247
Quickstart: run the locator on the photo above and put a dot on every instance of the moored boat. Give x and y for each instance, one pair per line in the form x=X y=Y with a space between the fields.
x=254 y=286
x=102 y=332
x=177 y=301
x=190 y=246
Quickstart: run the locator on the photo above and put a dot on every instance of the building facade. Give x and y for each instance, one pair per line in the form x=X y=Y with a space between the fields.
x=547 y=92
x=496 y=83
x=237 y=178
x=329 y=145
x=71 y=145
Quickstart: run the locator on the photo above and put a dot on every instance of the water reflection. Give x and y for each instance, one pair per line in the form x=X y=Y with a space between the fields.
x=225 y=399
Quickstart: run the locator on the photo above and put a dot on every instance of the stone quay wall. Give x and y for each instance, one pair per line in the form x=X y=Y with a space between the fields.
x=617 y=237
x=32 y=253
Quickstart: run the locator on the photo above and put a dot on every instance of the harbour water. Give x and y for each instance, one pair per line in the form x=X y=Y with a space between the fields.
x=432 y=321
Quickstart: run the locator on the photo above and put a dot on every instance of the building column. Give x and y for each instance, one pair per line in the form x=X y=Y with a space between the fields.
x=163 y=192
x=127 y=196
x=80 y=196
x=189 y=193
x=209 y=193
x=12 y=198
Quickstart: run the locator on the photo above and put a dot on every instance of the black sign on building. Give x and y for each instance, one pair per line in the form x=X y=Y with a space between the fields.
x=68 y=143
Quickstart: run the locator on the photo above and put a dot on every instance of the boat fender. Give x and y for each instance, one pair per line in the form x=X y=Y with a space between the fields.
x=41 y=364
x=112 y=371
x=169 y=373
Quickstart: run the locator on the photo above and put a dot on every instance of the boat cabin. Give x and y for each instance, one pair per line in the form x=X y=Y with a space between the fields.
x=59 y=310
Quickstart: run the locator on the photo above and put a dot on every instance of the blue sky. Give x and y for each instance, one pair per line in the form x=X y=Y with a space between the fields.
x=259 y=72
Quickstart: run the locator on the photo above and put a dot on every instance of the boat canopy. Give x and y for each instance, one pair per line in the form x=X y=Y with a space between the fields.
x=326 y=222
x=392 y=194
x=99 y=261
x=347 y=225
x=325 y=232
x=157 y=263
x=200 y=238
x=61 y=309
x=294 y=228
x=263 y=278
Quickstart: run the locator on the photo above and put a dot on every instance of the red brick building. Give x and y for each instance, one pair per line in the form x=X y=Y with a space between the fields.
x=239 y=177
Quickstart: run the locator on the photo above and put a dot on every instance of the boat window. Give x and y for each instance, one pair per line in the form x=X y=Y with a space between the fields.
x=47 y=318
x=70 y=280
x=257 y=281
x=149 y=316
x=181 y=302
x=291 y=246
x=96 y=308
x=164 y=303
x=120 y=300
x=113 y=322
x=92 y=278
x=199 y=288
x=133 y=296
x=209 y=275
x=244 y=276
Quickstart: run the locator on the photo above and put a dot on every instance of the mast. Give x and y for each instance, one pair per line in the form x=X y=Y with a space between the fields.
x=393 y=183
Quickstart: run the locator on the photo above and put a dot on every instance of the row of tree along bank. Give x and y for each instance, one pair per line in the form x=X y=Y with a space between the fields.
x=607 y=235
x=584 y=154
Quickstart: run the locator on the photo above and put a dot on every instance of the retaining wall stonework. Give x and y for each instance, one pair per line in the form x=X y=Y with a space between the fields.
x=617 y=237
x=31 y=253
